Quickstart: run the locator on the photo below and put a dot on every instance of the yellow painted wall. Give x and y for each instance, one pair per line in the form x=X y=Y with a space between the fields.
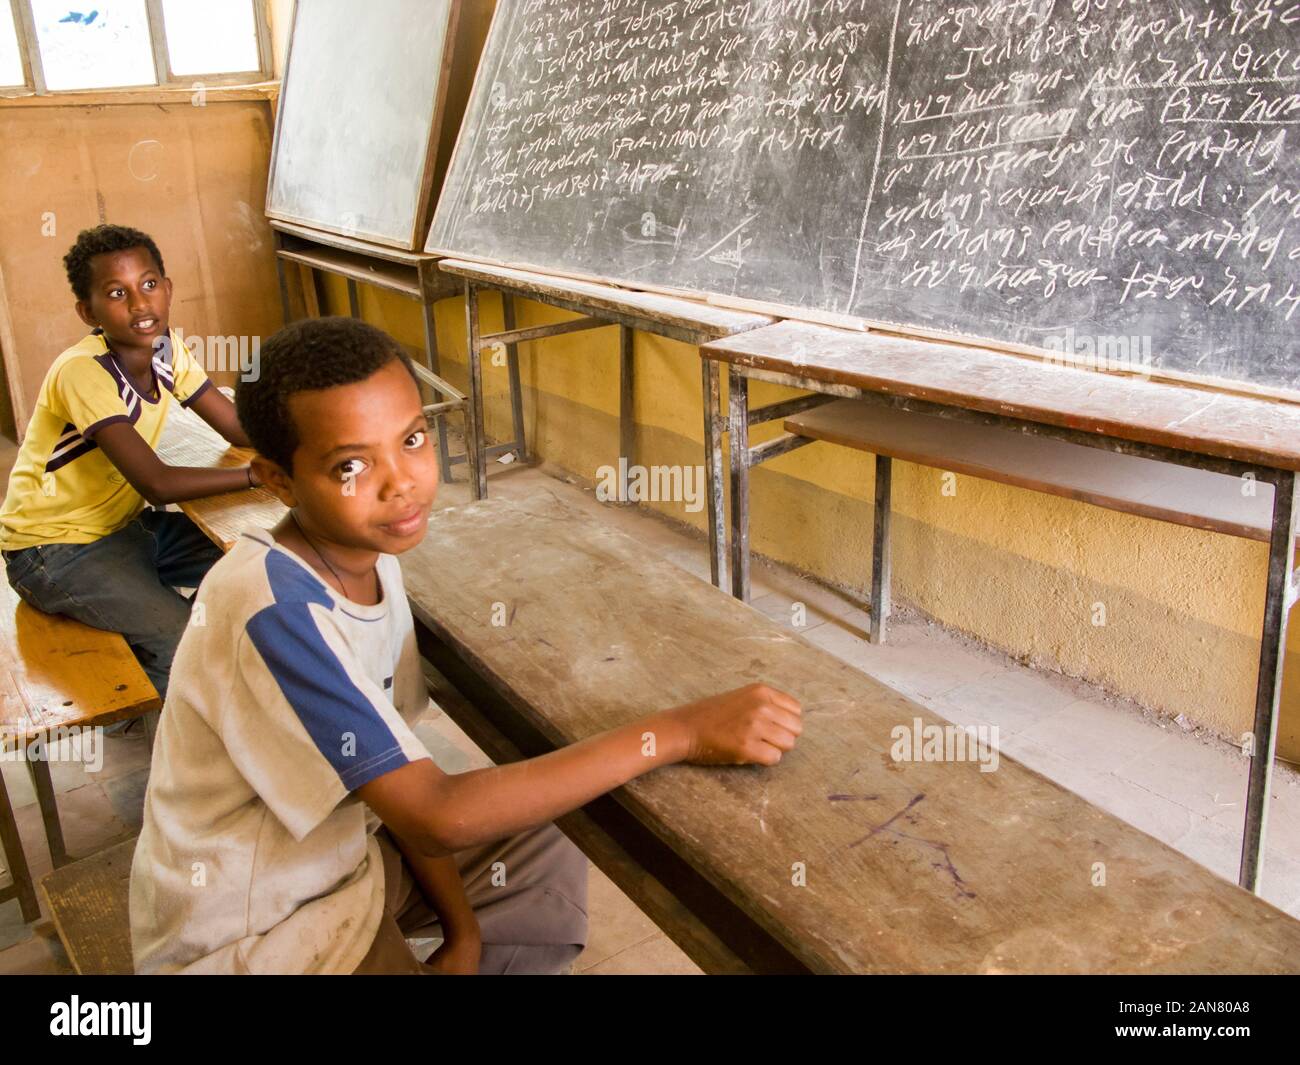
x=1020 y=570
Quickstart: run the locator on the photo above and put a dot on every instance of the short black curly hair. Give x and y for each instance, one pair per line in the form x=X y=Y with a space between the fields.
x=100 y=241
x=308 y=355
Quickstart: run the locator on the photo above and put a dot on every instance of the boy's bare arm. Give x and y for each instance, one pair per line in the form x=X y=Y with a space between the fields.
x=440 y=884
x=158 y=482
x=215 y=409
x=440 y=814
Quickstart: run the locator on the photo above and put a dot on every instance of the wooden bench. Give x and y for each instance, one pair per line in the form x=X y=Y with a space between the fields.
x=55 y=673
x=841 y=859
x=1237 y=436
x=687 y=320
x=89 y=902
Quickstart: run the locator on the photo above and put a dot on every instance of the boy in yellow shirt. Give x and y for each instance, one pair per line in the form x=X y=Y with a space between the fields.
x=75 y=534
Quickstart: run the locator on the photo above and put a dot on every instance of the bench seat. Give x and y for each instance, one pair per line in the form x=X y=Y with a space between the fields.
x=89 y=903
x=56 y=673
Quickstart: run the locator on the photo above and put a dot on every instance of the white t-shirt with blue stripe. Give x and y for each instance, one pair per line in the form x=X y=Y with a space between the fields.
x=284 y=698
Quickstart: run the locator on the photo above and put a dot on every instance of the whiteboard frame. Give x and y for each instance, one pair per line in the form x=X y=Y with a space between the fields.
x=424 y=199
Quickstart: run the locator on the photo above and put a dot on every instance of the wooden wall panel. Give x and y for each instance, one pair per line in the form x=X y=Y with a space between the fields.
x=194 y=177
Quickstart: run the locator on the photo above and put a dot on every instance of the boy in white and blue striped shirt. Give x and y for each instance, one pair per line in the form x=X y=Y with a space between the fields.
x=289 y=721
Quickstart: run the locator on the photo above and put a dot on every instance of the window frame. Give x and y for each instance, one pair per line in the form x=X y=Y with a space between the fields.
x=29 y=49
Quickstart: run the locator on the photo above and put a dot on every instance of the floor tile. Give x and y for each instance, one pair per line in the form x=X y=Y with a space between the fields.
x=657 y=955
x=614 y=921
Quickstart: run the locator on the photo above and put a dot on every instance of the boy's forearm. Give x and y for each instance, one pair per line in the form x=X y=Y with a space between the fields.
x=176 y=484
x=487 y=804
x=441 y=885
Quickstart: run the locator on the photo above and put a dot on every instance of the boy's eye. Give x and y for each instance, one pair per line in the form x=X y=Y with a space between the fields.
x=416 y=439
x=150 y=285
x=115 y=293
x=349 y=468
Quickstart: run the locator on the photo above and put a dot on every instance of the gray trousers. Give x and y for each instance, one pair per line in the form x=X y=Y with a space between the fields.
x=529 y=893
x=124 y=582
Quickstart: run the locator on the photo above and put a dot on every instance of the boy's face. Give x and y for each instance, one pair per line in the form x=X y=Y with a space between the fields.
x=129 y=299
x=365 y=473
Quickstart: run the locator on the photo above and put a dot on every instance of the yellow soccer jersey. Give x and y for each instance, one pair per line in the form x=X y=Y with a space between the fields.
x=63 y=489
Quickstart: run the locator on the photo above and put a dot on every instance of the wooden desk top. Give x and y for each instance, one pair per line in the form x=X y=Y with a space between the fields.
x=911 y=866
x=352 y=244
x=664 y=314
x=187 y=440
x=1243 y=428
x=58 y=672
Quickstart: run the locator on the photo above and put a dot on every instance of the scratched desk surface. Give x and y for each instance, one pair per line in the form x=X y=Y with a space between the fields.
x=187 y=440
x=910 y=866
x=1244 y=428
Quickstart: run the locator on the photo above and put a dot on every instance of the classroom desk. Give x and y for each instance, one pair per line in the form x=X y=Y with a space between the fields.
x=187 y=440
x=902 y=866
x=690 y=321
x=1233 y=434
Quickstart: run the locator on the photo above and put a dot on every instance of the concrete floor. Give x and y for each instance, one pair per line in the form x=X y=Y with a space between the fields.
x=1181 y=787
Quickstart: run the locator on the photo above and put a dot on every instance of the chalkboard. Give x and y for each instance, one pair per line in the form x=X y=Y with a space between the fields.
x=1116 y=182
x=359 y=111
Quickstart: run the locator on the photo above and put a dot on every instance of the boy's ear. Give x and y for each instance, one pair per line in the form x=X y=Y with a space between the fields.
x=83 y=312
x=274 y=478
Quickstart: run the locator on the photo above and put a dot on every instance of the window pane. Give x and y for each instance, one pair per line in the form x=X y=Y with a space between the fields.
x=216 y=37
x=11 y=62
x=94 y=44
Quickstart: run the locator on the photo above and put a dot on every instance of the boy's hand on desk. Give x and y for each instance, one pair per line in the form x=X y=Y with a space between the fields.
x=751 y=725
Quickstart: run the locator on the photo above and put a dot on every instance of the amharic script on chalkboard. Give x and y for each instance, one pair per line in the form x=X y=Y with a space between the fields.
x=1096 y=176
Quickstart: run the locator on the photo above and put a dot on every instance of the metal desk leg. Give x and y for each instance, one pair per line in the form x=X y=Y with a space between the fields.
x=320 y=296
x=626 y=415
x=39 y=764
x=475 y=444
x=738 y=393
x=354 y=299
x=11 y=845
x=285 y=306
x=1267 y=694
x=713 y=424
x=431 y=360
x=512 y=369
x=881 y=556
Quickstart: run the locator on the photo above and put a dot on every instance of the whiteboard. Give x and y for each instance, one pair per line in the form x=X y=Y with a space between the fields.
x=359 y=107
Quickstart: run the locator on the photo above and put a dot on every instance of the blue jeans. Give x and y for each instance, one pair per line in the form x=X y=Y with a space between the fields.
x=123 y=582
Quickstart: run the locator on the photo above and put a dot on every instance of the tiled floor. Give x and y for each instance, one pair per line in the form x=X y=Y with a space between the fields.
x=1180 y=787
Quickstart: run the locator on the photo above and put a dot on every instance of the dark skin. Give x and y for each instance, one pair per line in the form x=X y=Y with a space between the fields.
x=130 y=300
x=370 y=438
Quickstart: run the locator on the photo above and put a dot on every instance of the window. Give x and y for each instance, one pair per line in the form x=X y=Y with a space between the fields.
x=103 y=45
x=208 y=38
x=11 y=56
x=70 y=45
